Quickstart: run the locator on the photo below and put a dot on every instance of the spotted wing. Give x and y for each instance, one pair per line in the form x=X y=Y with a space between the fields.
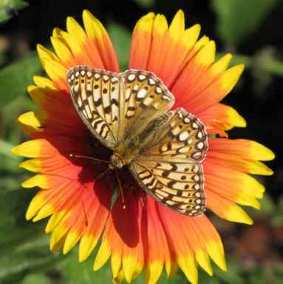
x=97 y=96
x=170 y=166
x=146 y=98
x=117 y=106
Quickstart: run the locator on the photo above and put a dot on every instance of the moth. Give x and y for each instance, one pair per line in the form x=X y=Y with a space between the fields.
x=131 y=114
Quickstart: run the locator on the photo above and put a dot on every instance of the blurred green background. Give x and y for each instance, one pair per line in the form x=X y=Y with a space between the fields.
x=251 y=29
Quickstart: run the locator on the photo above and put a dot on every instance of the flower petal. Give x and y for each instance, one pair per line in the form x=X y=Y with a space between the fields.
x=97 y=36
x=123 y=238
x=228 y=210
x=195 y=239
x=221 y=117
x=141 y=43
x=244 y=148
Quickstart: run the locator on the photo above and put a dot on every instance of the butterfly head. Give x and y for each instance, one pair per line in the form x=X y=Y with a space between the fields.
x=116 y=162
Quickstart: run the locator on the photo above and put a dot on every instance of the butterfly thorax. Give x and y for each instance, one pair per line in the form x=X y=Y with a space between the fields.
x=133 y=146
x=126 y=152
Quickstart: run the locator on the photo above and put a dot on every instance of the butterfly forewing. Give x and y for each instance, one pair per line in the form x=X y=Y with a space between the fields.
x=170 y=166
x=97 y=97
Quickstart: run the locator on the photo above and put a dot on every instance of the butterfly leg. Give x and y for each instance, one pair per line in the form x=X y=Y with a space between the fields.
x=120 y=189
x=101 y=175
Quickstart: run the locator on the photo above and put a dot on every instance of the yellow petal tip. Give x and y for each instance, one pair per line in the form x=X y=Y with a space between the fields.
x=29 y=119
x=15 y=151
x=230 y=77
x=236 y=214
x=261 y=152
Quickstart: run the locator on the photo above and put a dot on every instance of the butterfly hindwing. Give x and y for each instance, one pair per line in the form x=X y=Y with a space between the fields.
x=176 y=185
x=146 y=98
x=170 y=166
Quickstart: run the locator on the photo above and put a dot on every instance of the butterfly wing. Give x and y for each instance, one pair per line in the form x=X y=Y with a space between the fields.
x=170 y=166
x=117 y=106
x=97 y=97
x=146 y=98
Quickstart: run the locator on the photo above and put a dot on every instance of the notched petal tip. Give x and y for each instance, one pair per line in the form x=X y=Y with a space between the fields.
x=239 y=121
x=32 y=165
x=70 y=241
x=145 y=23
x=45 y=54
x=236 y=214
x=87 y=245
x=216 y=252
x=203 y=260
x=74 y=28
x=29 y=149
x=102 y=256
x=29 y=119
x=206 y=55
x=261 y=152
x=177 y=25
x=188 y=266
x=230 y=77
x=38 y=180
x=221 y=64
x=153 y=272
x=190 y=36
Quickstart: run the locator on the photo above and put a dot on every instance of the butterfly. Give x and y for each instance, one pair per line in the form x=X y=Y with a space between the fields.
x=131 y=114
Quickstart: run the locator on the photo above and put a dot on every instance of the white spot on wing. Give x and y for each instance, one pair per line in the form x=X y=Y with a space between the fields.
x=142 y=94
x=184 y=136
x=131 y=77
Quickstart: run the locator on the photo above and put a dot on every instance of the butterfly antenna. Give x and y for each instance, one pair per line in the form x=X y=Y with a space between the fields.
x=120 y=189
x=87 y=158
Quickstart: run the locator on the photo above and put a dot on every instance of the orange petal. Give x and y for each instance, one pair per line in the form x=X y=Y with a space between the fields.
x=228 y=210
x=245 y=148
x=221 y=117
x=123 y=236
x=98 y=37
x=141 y=42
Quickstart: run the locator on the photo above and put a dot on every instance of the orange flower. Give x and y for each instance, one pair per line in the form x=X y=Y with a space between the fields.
x=146 y=235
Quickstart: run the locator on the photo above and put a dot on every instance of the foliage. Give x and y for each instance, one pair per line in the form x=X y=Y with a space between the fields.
x=121 y=41
x=15 y=77
x=239 y=18
x=9 y=7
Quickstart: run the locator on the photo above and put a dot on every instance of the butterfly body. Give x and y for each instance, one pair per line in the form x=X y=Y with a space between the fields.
x=130 y=113
x=128 y=150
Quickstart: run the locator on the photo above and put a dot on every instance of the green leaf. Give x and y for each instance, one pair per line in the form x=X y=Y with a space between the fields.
x=82 y=273
x=15 y=267
x=15 y=77
x=236 y=19
x=19 y=257
x=5 y=149
x=8 y=6
x=36 y=278
x=121 y=40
